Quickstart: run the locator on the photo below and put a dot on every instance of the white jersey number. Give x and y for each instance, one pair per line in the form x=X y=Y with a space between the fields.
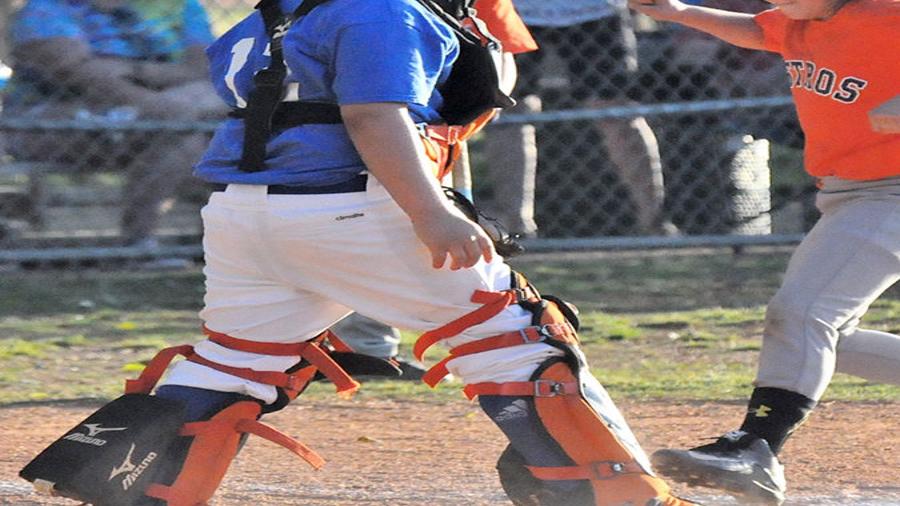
x=239 y=54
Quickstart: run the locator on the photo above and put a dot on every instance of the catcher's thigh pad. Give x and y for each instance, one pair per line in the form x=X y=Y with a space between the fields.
x=578 y=414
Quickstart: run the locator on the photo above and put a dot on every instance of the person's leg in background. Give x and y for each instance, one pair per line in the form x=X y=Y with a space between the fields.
x=630 y=142
x=161 y=162
x=512 y=159
x=511 y=151
x=376 y=339
x=154 y=175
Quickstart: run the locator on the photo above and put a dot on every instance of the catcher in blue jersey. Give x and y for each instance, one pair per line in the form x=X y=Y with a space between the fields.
x=346 y=112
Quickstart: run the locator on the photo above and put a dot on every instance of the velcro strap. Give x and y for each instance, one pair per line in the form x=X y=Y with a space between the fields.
x=557 y=331
x=151 y=374
x=274 y=349
x=252 y=426
x=447 y=134
x=594 y=471
x=346 y=386
x=539 y=388
x=274 y=378
x=492 y=304
x=310 y=350
x=336 y=342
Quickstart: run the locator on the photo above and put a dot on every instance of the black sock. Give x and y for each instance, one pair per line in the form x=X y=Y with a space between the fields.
x=773 y=414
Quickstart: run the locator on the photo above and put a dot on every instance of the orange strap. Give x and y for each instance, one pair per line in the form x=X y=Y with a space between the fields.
x=442 y=141
x=319 y=358
x=274 y=349
x=593 y=471
x=492 y=304
x=151 y=374
x=336 y=342
x=557 y=331
x=538 y=388
x=312 y=351
x=274 y=378
x=258 y=428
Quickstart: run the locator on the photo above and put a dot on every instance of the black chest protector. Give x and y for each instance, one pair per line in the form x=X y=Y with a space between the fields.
x=472 y=88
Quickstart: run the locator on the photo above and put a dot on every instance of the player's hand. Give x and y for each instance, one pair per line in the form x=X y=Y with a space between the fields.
x=451 y=233
x=664 y=10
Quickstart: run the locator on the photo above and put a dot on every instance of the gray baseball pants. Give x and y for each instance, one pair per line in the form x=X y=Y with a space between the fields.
x=847 y=260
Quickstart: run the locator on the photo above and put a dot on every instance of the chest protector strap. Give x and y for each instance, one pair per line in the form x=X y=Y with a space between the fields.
x=268 y=84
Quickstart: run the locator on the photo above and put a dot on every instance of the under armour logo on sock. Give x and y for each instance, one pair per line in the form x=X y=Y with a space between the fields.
x=762 y=411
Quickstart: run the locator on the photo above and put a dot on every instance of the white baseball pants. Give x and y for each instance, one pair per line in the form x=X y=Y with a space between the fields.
x=283 y=268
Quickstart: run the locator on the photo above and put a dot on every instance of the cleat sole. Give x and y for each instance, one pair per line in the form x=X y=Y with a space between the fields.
x=754 y=487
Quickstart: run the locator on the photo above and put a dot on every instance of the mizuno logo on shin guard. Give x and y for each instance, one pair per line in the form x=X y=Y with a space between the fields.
x=93 y=430
x=134 y=471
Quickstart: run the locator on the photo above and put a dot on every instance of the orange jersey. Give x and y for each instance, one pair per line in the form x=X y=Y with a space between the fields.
x=840 y=69
x=504 y=23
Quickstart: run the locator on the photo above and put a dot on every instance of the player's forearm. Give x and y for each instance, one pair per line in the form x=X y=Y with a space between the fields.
x=389 y=144
x=735 y=28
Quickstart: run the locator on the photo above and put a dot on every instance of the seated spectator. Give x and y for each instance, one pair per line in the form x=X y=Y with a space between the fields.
x=114 y=60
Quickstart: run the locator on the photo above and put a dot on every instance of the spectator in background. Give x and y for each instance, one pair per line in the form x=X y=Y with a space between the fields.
x=588 y=58
x=511 y=149
x=114 y=60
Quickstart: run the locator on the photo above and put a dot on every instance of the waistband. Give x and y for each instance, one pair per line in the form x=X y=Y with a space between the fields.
x=353 y=185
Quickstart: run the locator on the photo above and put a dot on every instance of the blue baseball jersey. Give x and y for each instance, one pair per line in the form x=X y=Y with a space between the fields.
x=343 y=52
x=146 y=30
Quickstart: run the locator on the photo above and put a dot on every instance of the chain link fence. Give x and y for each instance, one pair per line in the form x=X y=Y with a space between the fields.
x=729 y=148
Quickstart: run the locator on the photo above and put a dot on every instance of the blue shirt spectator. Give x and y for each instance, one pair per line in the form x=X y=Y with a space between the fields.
x=367 y=61
x=160 y=30
x=108 y=61
x=143 y=31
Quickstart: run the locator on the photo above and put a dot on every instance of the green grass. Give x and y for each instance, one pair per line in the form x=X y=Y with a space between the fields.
x=662 y=326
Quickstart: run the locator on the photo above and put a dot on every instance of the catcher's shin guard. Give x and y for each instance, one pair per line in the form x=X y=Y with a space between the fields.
x=138 y=451
x=566 y=406
x=144 y=450
x=575 y=412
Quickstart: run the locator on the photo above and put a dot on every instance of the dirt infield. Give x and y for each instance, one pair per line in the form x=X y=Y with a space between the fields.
x=405 y=453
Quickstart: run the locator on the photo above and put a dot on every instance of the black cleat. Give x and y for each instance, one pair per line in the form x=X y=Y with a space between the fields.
x=738 y=462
